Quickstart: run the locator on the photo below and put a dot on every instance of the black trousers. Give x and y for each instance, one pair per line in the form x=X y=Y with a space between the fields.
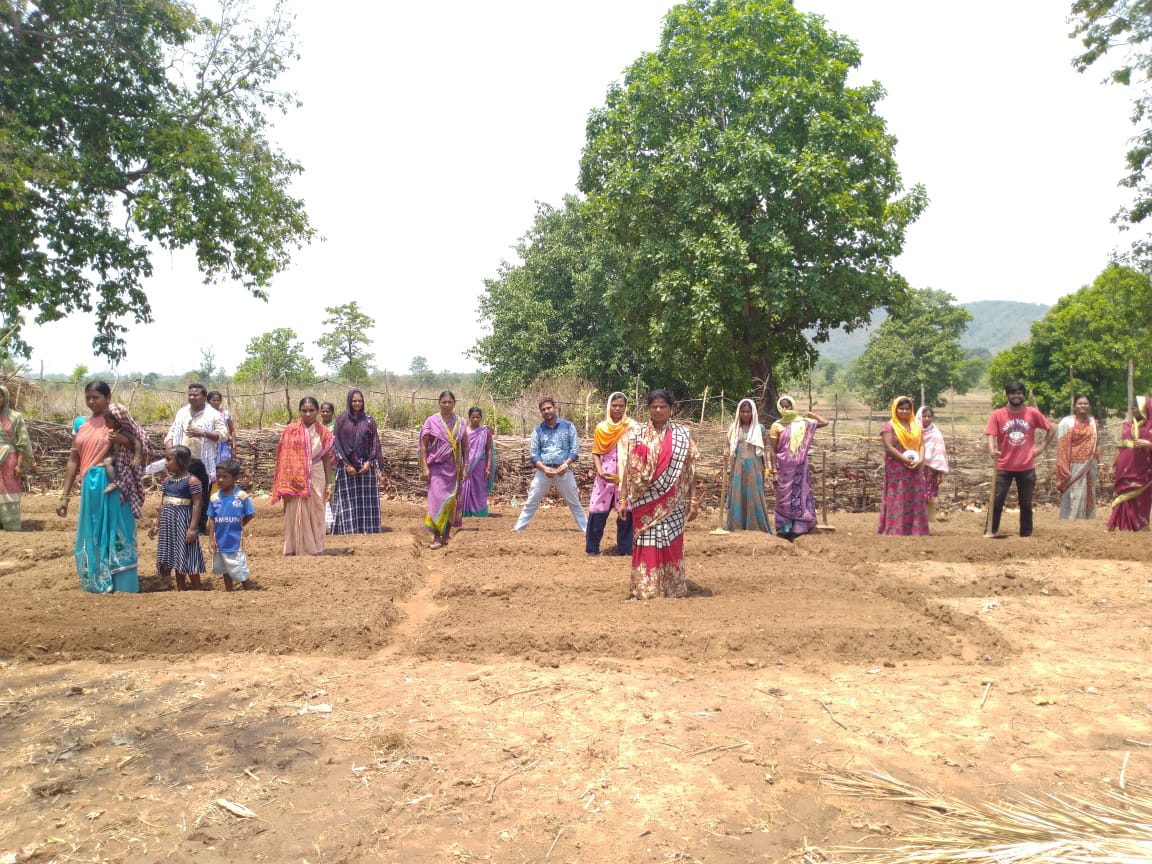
x=1025 y=486
x=596 y=523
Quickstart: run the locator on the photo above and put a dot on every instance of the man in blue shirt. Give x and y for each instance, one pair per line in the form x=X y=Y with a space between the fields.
x=555 y=449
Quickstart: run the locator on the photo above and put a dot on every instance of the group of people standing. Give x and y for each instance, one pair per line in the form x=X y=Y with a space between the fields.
x=644 y=476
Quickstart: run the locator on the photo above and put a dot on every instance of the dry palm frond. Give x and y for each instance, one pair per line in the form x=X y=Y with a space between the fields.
x=1115 y=827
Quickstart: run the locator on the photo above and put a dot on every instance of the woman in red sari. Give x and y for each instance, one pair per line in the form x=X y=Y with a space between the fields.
x=659 y=486
x=1133 y=501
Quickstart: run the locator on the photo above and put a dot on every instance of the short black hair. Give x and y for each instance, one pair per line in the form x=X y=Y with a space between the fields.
x=660 y=393
x=475 y=409
x=199 y=387
x=229 y=465
x=1014 y=387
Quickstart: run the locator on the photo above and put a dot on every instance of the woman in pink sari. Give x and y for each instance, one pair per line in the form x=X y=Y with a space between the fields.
x=1133 y=502
x=903 y=509
x=443 y=451
x=659 y=486
x=303 y=479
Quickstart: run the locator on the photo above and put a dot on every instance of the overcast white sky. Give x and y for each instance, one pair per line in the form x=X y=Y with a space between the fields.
x=429 y=132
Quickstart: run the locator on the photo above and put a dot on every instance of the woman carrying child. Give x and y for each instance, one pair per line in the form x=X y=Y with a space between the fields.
x=178 y=546
x=229 y=510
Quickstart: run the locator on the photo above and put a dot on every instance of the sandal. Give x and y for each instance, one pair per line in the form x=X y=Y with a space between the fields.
x=436 y=544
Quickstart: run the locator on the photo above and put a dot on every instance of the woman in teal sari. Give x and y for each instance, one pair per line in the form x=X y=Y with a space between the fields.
x=744 y=454
x=106 y=527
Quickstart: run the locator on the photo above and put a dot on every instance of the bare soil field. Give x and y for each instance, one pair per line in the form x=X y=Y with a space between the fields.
x=500 y=701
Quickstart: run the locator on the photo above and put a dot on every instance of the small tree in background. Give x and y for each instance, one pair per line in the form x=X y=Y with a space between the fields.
x=918 y=347
x=345 y=345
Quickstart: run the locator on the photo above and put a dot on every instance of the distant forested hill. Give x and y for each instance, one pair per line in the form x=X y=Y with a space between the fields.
x=995 y=325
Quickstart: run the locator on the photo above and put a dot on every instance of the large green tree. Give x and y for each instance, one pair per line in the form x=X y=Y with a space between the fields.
x=1123 y=28
x=548 y=312
x=751 y=192
x=917 y=348
x=345 y=343
x=132 y=125
x=275 y=356
x=1092 y=333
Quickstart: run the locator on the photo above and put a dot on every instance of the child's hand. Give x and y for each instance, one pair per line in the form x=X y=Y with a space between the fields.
x=190 y=536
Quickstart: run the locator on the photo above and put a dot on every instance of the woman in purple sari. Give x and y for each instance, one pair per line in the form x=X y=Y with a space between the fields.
x=1133 y=502
x=480 y=475
x=443 y=455
x=356 y=498
x=791 y=438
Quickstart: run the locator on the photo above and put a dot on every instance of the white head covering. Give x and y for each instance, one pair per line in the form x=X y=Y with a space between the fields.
x=753 y=436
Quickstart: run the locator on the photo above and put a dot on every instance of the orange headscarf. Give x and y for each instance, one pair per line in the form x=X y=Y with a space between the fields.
x=909 y=436
x=294 y=460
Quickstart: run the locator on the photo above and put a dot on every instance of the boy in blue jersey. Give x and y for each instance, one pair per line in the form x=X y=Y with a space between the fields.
x=229 y=510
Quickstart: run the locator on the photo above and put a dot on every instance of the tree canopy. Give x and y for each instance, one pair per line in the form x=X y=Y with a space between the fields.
x=345 y=344
x=1095 y=332
x=1106 y=27
x=749 y=194
x=917 y=347
x=131 y=125
x=275 y=356
x=549 y=314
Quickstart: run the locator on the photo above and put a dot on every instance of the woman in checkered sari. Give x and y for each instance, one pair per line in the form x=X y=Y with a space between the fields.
x=356 y=499
x=659 y=486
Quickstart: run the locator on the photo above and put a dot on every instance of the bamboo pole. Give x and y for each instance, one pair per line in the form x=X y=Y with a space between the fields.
x=952 y=404
x=1130 y=398
x=835 y=416
x=704 y=403
x=722 y=409
x=809 y=381
x=287 y=397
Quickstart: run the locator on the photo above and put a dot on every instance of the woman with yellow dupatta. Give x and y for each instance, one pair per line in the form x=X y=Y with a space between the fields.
x=443 y=458
x=609 y=456
x=1077 y=455
x=303 y=479
x=903 y=508
x=1133 y=501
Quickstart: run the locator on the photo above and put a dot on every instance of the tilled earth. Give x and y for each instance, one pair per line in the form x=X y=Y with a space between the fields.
x=499 y=700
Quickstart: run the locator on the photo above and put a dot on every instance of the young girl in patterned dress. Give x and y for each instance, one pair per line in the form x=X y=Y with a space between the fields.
x=178 y=546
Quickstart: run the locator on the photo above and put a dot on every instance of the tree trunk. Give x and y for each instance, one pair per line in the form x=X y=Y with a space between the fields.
x=765 y=383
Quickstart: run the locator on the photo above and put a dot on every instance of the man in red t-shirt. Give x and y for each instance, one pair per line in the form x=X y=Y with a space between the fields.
x=1011 y=435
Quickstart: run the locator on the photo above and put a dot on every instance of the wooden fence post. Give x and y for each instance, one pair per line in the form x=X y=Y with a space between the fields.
x=287 y=397
x=835 y=416
x=704 y=403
